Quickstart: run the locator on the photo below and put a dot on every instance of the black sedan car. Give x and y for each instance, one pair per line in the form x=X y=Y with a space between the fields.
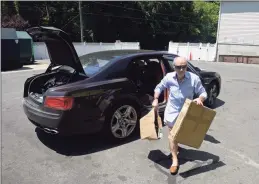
x=103 y=91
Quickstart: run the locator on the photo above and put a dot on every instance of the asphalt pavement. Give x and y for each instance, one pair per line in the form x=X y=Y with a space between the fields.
x=229 y=154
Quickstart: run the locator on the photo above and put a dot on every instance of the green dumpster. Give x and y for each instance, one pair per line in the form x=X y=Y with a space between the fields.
x=10 y=54
x=26 y=47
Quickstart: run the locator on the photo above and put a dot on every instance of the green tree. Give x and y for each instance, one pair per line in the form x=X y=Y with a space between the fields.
x=152 y=23
x=207 y=12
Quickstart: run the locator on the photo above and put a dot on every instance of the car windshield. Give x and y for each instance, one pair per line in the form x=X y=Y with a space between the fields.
x=92 y=63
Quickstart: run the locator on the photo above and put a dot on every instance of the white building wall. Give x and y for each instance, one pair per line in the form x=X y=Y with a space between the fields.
x=238 y=36
x=239 y=23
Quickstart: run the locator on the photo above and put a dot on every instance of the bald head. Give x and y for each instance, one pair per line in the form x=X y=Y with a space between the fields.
x=180 y=66
x=180 y=61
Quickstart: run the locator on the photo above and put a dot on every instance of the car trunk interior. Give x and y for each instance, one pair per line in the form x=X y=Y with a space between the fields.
x=39 y=85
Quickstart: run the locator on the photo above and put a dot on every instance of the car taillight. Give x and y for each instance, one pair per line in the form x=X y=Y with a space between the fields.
x=59 y=103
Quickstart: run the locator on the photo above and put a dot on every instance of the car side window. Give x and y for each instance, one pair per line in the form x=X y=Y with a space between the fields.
x=143 y=67
x=135 y=69
x=169 y=62
x=153 y=60
x=137 y=64
x=118 y=71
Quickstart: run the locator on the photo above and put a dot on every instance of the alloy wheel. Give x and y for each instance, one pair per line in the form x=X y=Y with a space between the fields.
x=124 y=121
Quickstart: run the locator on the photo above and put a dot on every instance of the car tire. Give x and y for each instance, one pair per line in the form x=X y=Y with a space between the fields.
x=212 y=94
x=113 y=126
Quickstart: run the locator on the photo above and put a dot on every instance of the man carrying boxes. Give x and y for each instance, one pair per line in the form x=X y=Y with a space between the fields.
x=182 y=85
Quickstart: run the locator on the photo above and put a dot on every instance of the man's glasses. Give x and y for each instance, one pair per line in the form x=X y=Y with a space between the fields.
x=180 y=67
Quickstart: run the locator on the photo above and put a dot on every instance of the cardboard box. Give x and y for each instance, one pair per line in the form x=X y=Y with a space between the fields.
x=192 y=124
x=149 y=125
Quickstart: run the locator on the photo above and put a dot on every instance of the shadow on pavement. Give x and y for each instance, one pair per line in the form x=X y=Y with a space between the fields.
x=80 y=144
x=218 y=103
x=198 y=169
x=31 y=66
x=211 y=139
x=201 y=162
x=27 y=66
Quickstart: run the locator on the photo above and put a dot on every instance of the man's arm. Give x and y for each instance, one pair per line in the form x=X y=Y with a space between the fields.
x=160 y=87
x=200 y=90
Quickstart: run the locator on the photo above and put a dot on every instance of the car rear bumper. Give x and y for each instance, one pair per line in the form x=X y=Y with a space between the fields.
x=64 y=123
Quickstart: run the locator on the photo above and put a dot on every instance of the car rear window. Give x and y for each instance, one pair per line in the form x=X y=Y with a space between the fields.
x=93 y=63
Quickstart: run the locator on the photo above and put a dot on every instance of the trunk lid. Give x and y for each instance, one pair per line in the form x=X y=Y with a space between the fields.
x=60 y=48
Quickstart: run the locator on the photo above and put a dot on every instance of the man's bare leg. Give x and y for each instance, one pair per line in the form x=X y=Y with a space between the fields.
x=174 y=150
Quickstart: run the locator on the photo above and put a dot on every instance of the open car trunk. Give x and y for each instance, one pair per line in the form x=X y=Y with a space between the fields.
x=60 y=48
x=37 y=87
x=65 y=66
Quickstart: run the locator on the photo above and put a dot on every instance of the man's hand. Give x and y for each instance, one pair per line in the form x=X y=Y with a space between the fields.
x=198 y=101
x=155 y=103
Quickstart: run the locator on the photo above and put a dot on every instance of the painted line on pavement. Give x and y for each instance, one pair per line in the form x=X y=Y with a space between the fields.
x=244 y=159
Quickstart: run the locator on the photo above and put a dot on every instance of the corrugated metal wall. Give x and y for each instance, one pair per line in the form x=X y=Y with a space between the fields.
x=239 y=23
x=238 y=37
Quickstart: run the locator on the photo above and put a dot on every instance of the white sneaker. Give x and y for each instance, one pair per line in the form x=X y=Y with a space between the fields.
x=160 y=134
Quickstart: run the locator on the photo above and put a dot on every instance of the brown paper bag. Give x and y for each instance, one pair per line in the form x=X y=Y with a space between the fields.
x=149 y=125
